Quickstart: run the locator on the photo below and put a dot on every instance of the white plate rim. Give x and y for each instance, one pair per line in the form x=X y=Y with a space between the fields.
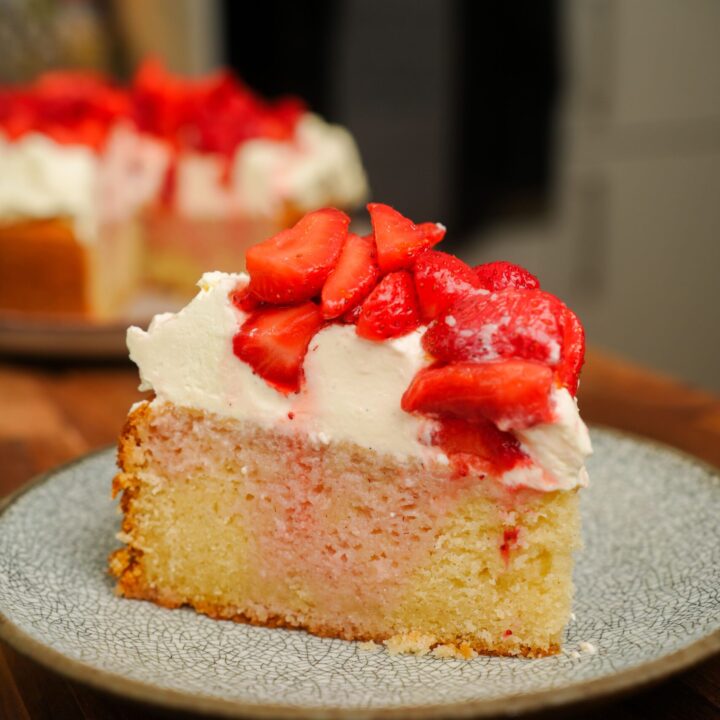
x=572 y=695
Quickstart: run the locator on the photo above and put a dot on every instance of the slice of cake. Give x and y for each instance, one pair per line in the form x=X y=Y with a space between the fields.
x=364 y=437
x=243 y=169
x=75 y=175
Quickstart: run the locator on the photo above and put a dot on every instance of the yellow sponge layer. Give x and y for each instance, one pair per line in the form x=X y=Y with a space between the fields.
x=272 y=529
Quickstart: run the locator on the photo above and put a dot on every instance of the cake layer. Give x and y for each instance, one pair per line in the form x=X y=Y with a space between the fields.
x=43 y=268
x=46 y=270
x=278 y=528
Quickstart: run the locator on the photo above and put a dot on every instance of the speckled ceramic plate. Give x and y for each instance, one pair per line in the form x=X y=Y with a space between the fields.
x=648 y=603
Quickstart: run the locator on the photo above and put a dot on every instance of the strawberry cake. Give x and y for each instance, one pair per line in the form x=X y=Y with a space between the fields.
x=76 y=173
x=363 y=437
x=243 y=168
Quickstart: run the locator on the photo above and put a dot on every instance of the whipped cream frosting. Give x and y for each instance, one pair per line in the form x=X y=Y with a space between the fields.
x=352 y=388
x=319 y=166
x=41 y=178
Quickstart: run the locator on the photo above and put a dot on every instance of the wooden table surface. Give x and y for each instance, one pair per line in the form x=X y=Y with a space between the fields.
x=52 y=413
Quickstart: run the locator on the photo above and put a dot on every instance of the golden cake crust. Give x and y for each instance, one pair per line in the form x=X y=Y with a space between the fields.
x=43 y=268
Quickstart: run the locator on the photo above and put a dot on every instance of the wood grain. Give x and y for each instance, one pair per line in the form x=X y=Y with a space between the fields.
x=49 y=415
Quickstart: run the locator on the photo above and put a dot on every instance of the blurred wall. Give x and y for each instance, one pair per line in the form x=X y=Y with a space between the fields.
x=185 y=33
x=634 y=243
x=391 y=82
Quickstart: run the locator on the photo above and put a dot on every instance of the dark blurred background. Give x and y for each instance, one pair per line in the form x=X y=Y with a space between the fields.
x=580 y=138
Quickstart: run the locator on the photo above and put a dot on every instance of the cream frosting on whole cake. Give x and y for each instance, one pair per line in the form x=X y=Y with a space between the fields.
x=319 y=165
x=42 y=179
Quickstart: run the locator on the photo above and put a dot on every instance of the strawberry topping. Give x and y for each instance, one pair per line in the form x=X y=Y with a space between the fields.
x=440 y=280
x=480 y=438
x=293 y=265
x=353 y=277
x=390 y=309
x=568 y=371
x=499 y=341
x=274 y=342
x=71 y=107
x=398 y=239
x=500 y=275
x=512 y=323
x=514 y=394
x=215 y=113
x=244 y=300
x=434 y=232
x=352 y=316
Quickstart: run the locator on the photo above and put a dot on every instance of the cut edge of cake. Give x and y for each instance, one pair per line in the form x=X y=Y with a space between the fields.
x=180 y=468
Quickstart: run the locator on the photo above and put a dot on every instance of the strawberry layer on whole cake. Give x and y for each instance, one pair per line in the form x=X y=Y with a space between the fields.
x=363 y=437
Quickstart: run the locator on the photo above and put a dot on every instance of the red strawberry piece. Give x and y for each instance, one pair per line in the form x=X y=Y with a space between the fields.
x=293 y=265
x=441 y=279
x=511 y=323
x=244 y=300
x=274 y=341
x=573 y=353
x=480 y=438
x=501 y=274
x=390 y=309
x=434 y=232
x=352 y=316
x=398 y=239
x=514 y=394
x=353 y=277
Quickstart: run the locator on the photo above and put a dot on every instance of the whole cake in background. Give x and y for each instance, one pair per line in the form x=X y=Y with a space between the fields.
x=363 y=437
x=75 y=173
x=105 y=189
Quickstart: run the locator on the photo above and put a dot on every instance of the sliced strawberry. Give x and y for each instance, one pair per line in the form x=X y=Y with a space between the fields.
x=353 y=277
x=390 y=309
x=244 y=300
x=274 y=342
x=434 y=232
x=352 y=316
x=480 y=438
x=398 y=239
x=573 y=354
x=514 y=394
x=293 y=265
x=501 y=274
x=441 y=279
x=511 y=323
